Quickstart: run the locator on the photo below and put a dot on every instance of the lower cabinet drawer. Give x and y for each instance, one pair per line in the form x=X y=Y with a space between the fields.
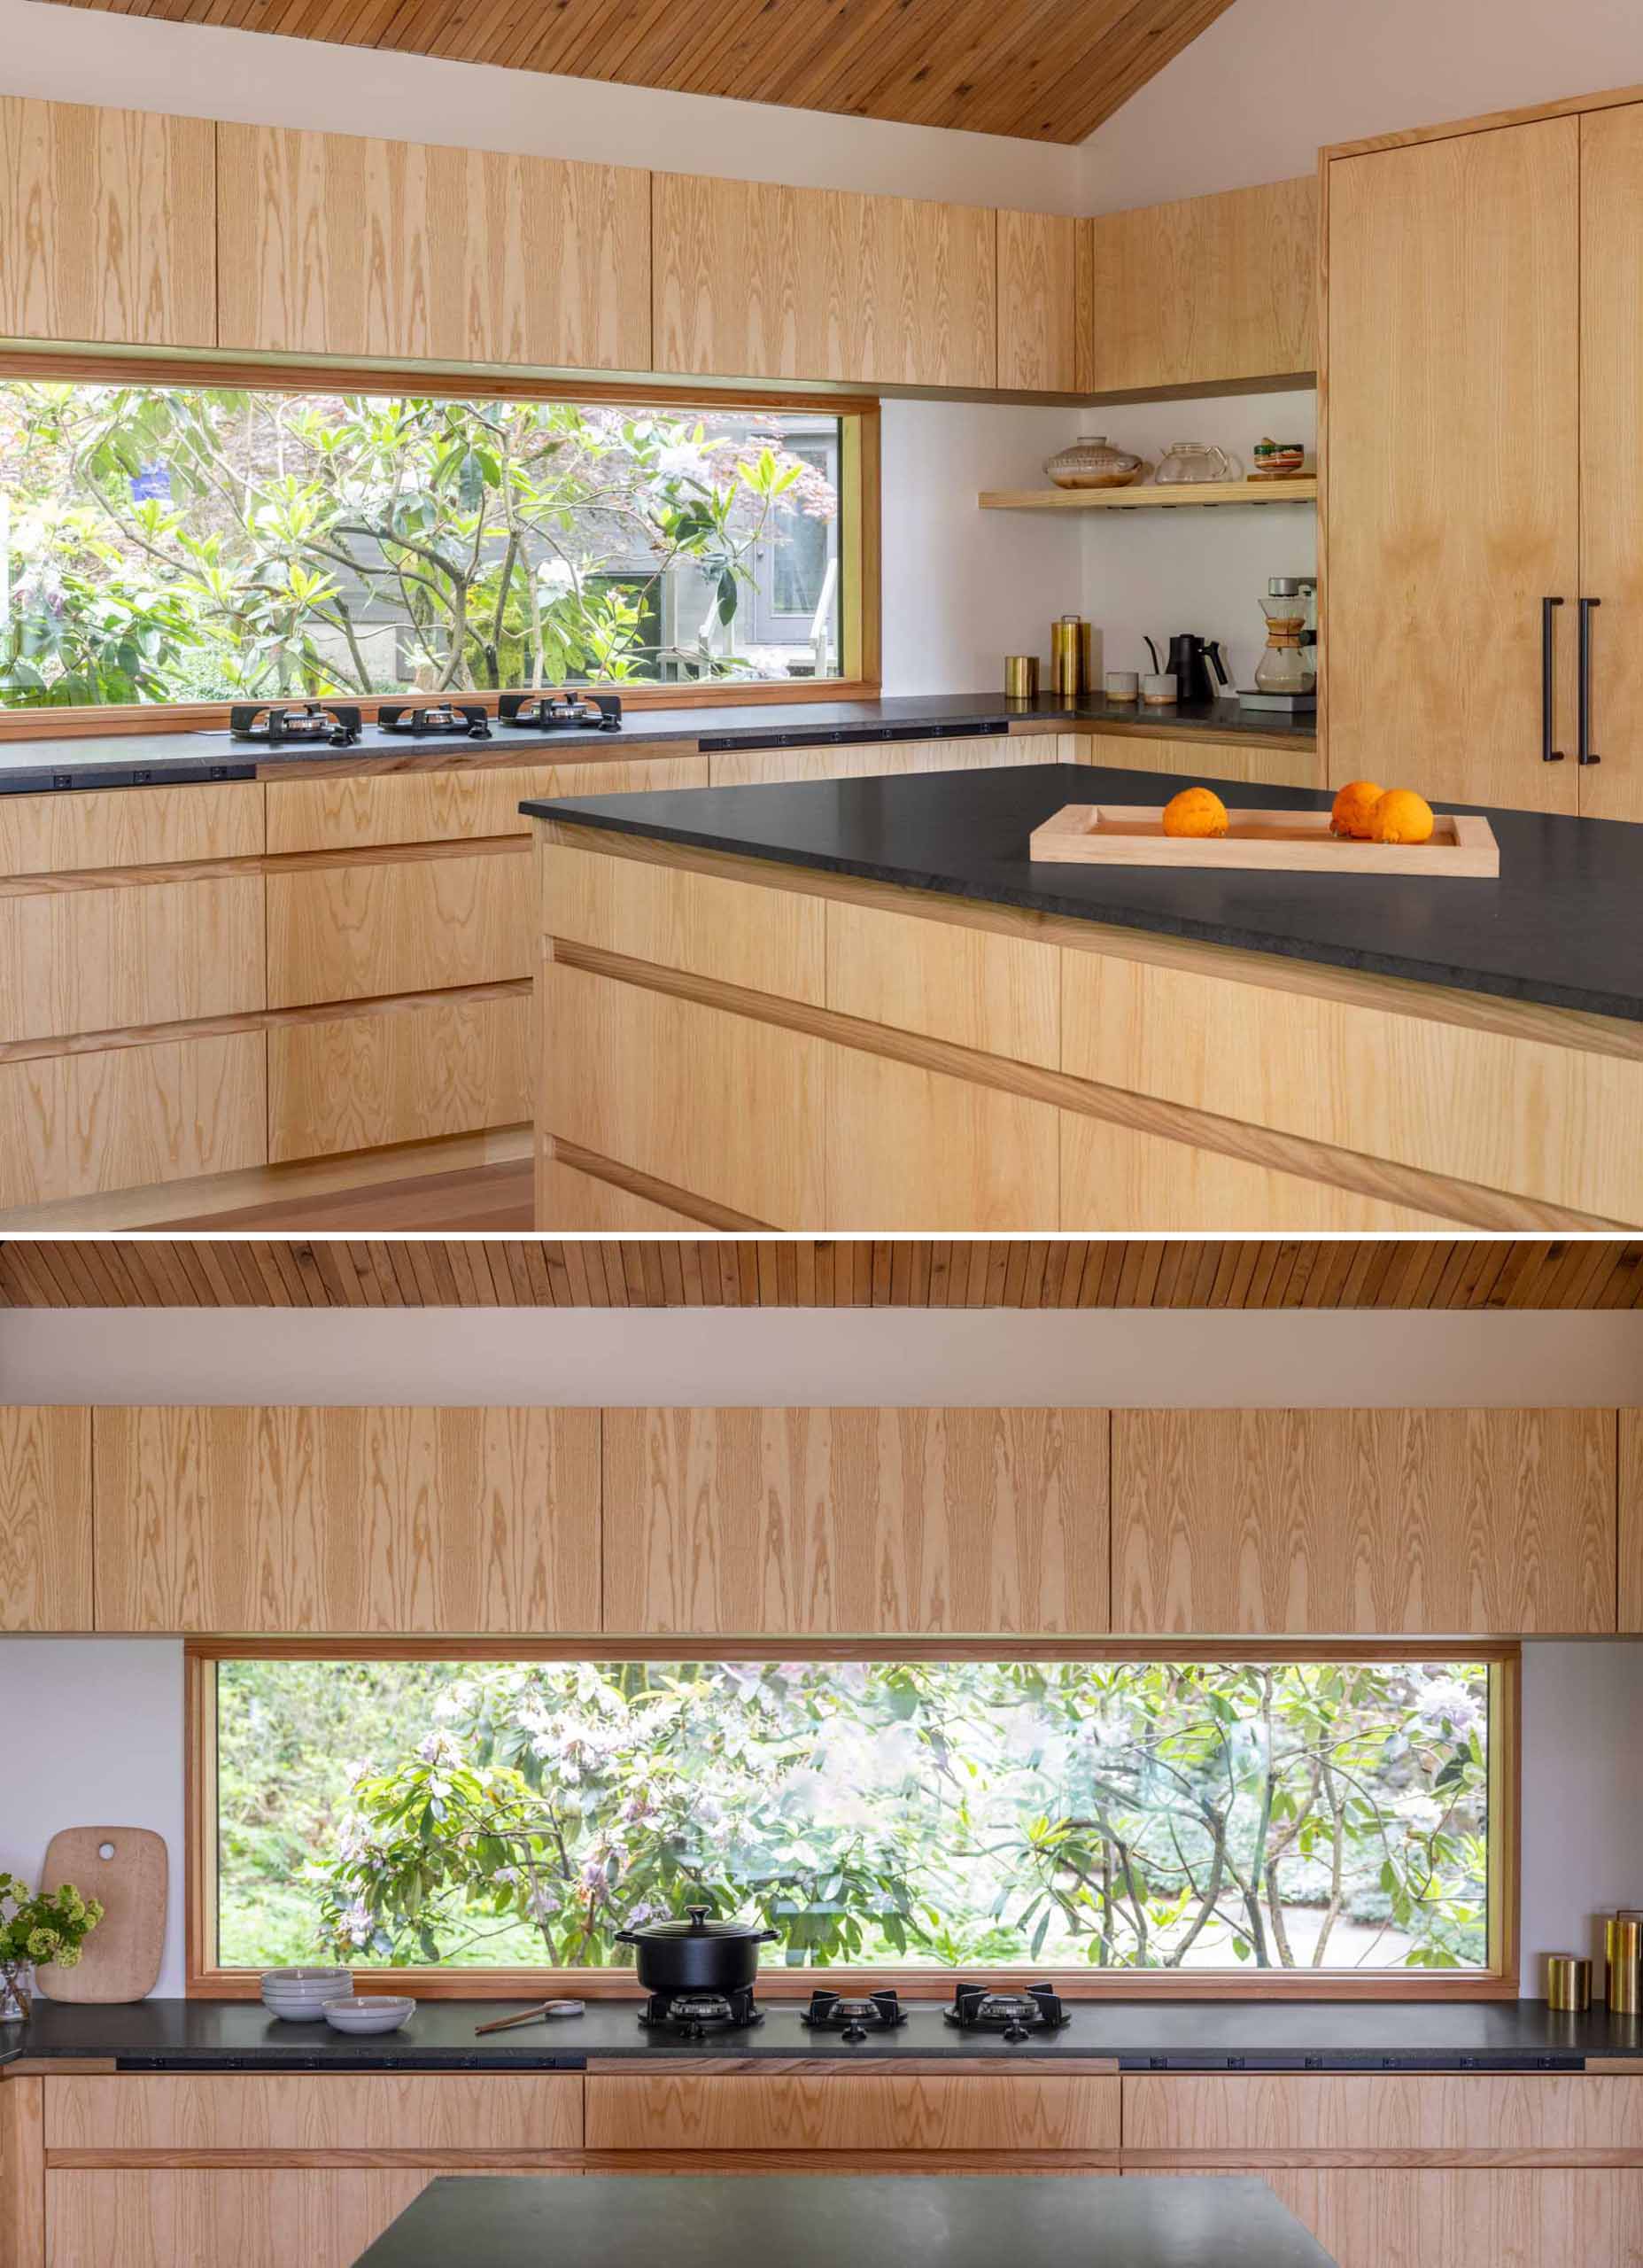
x=184 y=2217
x=1502 y=2217
x=399 y=925
x=402 y=1075
x=101 y=960
x=266 y=2111
x=852 y=2113
x=1256 y=2121
x=1196 y=757
x=871 y=759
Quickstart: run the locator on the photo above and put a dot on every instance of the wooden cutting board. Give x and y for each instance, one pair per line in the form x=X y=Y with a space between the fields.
x=1297 y=842
x=126 y=1866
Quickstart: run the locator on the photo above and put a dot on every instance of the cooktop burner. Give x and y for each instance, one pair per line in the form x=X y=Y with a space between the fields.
x=691 y=2015
x=1036 y=2008
x=854 y=2017
x=335 y=724
x=541 y=712
x=428 y=718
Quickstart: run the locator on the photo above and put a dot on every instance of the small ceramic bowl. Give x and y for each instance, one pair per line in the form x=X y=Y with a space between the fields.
x=1158 y=688
x=300 y=1995
x=361 y=2015
x=1122 y=685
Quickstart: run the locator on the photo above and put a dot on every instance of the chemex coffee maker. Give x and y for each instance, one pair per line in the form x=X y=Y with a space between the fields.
x=1191 y=660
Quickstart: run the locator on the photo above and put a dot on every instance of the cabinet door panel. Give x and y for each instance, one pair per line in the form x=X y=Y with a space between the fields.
x=1631 y=1520
x=1453 y=497
x=1042 y=348
x=1530 y=2218
x=752 y=766
x=405 y=925
x=1611 y=452
x=862 y=2113
x=45 y=1518
x=334 y=245
x=1277 y=766
x=402 y=1520
x=381 y=808
x=1364 y=1520
x=886 y=1521
x=128 y=826
x=282 y=2111
x=107 y=226
x=1248 y=2120
x=407 y=1075
x=908 y=1148
x=192 y=2218
x=102 y=961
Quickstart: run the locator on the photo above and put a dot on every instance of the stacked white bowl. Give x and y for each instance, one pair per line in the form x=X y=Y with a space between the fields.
x=362 y=2017
x=300 y=1995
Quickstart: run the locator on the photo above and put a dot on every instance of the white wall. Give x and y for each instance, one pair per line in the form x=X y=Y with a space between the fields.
x=1253 y=97
x=1583 y=1824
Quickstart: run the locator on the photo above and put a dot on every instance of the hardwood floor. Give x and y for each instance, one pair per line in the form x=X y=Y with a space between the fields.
x=491 y=1199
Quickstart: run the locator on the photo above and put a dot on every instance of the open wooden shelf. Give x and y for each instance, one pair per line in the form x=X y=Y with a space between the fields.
x=1302 y=489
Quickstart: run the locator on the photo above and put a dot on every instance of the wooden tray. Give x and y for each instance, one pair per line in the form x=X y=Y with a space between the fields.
x=1297 y=842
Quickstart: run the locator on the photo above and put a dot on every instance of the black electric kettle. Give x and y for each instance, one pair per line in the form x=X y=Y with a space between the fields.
x=1190 y=662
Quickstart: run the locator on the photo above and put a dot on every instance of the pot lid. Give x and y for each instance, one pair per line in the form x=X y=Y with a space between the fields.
x=699 y=1925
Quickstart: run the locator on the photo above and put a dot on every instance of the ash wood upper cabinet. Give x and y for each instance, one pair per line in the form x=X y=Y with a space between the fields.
x=1452 y=462
x=107 y=226
x=375 y=1520
x=755 y=281
x=333 y=245
x=1210 y=288
x=856 y=1521
x=1631 y=1520
x=45 y=1518
x=1045 y=334
x=1363 y=1520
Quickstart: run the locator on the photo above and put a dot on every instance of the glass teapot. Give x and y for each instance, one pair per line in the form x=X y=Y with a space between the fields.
x=1185 y=461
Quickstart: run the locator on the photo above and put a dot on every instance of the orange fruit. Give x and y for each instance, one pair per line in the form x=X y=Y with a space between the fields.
x=1350 y=814
x=1401 y=816
x=1195 y=812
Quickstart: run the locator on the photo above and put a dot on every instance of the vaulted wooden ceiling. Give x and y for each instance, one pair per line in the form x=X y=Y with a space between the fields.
x=1456 y=1275
x=1049 y=70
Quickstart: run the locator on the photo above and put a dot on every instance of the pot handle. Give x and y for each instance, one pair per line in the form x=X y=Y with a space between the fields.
x=625 y=1938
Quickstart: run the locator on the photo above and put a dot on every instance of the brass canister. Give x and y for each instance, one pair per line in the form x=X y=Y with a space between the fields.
x=1624 y=1936
x=1068 y=645
x=1021 y=677
x=1568 y=1982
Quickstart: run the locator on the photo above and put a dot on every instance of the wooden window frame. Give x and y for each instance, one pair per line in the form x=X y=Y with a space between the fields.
x=860 y=508
x=1496 y=1980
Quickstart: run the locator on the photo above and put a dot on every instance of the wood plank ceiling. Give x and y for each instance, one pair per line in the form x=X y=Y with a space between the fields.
x=1048 y=70
x=1461 y=1274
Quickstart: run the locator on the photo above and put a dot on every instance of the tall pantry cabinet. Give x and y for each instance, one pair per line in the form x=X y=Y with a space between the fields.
x=1483 y=541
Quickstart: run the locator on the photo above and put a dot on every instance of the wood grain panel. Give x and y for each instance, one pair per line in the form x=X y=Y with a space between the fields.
x=22 y=2174
x=1530 y=2219
x=45 y=1518
x=1113 y=1177
x=1364 y=1520
x=99 y=960
x=1258 y=2121
x=908 y=1148
x=1611 y=452
x=1202 y=758
x=752 y=766
x=714 y=1103
x=127 y=1117
x=330 y=244
x=222 y=2219
x=128 y=826
x=1038 y=338
x=407 y=1075
x=1631 y=1520
x=752 y=280
x=977 y=987
x=870 y=1521
x=280 y=2111
x=291 y=1519
x=869 y=2115
x=1454 y=494
x=774 y=941
x=372 y=810
x=1497 y=1109
x=577 y=1203
x=1208 y=289
x=107 y=226
x=358 y=933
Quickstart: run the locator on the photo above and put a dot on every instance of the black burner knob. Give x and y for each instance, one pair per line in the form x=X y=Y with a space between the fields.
x=854 y=2030
x=1015 y=2029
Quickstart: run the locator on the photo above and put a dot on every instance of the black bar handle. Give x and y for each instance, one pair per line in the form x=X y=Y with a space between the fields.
x=1585 y=755
x=1548 y=754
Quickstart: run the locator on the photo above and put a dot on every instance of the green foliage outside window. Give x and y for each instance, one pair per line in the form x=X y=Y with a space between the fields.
x=1116 y=1816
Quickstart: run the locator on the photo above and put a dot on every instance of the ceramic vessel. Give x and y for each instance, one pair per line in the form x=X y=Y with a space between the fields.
x=301 y=1995
x=1277 y=460
x=360 y=2017
x=1093 y=463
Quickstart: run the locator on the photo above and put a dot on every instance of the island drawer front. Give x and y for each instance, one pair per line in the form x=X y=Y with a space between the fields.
x=1279 y=2117
x=1201 y=757
x=746 y=767
x=88 y=830
x=852 y=2112
x=198 y=2217
x=376 y=809
x=1505 y=1112
x=400 y=925
x=128 y=1117
x=1475 y=2219
x=975 y=987
x=280 y=2111
x=732 y=932
x=401 y=1074
x=101 y=960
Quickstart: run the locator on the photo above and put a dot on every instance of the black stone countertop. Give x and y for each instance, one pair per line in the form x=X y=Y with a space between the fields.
x=1563 y=925
x=115 y=759
x=939 y=2221
x=170 y=2035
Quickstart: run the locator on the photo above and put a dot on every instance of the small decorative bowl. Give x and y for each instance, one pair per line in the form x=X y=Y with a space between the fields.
x=1277 y=460
x=364 y=2015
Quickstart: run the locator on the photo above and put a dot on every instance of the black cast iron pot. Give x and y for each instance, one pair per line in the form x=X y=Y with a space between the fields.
x=697 y=1956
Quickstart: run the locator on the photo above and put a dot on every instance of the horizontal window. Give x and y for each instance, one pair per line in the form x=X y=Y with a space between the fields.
x=1317 y=1815
x=164 y=544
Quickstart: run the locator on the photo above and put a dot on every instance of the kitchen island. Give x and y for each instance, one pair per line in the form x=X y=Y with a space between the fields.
x=860 y=1006
x=517 y=2221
